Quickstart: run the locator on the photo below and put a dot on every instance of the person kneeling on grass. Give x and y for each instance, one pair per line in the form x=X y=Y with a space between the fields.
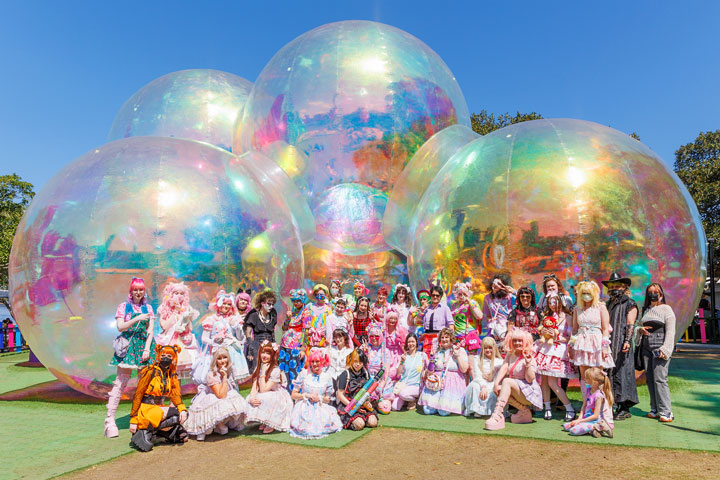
x=349 y=383
x=149 y=417
x=597 y=418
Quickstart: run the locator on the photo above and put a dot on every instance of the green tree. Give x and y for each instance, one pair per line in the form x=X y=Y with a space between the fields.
x=484 y=122
x=15 y=196
x=698 y=166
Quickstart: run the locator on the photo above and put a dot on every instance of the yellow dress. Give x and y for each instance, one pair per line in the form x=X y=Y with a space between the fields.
x=153 y=382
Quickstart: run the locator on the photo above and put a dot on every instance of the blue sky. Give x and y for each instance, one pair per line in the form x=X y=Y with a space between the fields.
x=645 y=66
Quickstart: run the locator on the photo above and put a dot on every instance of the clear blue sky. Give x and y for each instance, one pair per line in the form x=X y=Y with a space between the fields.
x=647 y=66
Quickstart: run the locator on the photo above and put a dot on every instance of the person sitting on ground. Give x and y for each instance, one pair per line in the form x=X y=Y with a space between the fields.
x=597 y=418
x=349 y=383
x=150 y=417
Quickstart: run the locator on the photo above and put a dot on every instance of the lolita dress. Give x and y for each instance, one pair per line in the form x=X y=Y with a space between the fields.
x=394 y=345
x=275 y=405
x=207 y=410
x=136 y=335
x=338 y=360
x=531 y=390
x=217 y=333
x=553 y=360
x=450 y=398
x=289 y=359
x=180 y=333
x=587 y=350
x=314 y=325
x=484 y=372
x=495 y=315
x=314 y=419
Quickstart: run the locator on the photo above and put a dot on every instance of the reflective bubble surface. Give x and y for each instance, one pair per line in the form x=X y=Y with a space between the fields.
x=375 y=269
x=150 y=207
x=564 y=196
x=198 y=104
x=415 y=178
x=355 y=100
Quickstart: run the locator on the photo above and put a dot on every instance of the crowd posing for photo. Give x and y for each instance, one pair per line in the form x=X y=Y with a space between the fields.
x=344 y=360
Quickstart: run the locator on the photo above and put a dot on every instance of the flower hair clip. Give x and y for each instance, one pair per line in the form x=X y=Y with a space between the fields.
x=274 y=345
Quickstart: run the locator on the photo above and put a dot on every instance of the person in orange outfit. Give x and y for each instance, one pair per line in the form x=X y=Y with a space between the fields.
x=150 y=417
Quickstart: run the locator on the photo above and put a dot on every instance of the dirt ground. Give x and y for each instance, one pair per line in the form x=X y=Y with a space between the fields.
x=400 y=453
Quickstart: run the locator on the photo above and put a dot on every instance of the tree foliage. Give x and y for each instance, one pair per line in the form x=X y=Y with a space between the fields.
x=15 y=196
x=484 y=122
x=698 y=166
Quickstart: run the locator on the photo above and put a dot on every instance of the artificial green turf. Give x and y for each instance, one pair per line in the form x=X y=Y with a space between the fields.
x=46 y=439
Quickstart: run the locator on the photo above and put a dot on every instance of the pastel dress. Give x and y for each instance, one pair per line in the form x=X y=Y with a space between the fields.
x=379 y=357
x=531 y=390
x=605 y=414
x=394 y=344
x=218 y=333
x=137 y=335
x=484 y=372
x=334 y=322
x=315 y=323
x=450 y=398
x=275 y=405
x=338 y=360
x=553 y=360
x=314 y=420
x=289 y=359
x=207 y=409
x=587 y=351
x=180 y=333
x=407 y=388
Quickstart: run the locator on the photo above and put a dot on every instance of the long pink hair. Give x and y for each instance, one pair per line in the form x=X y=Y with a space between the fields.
x=170 y=303
x=527 y=341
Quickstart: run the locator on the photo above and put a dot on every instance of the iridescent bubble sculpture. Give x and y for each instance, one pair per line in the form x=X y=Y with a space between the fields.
x=414 y=180
x=564 y=196
x=151 y=207
x=197 y=104
x=354 y=100
x=375 y=269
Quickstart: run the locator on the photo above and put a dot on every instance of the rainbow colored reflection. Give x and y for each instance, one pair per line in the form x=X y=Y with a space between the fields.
x=197 y=104
x=564 y=196
x=414 y=180
x=356 y=99
x=150 y=207
x=375 y=269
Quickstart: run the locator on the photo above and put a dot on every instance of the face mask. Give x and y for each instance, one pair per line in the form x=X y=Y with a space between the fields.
x=320 y=296
x=587 y=297
x=165 y=362
x=267 y=307
x=334 y=290
x=616 y=292
x=654 y=296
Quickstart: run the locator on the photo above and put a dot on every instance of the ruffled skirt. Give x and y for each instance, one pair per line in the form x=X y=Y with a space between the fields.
x=450 y=398
x=207 y=410
x=473 y=404
x=274 y=410
x=587 y=351
x=314 y=420
x=553 y=360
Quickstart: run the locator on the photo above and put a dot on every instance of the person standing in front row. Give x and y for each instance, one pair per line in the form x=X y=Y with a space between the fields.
x=623 y=313
x=656 y=347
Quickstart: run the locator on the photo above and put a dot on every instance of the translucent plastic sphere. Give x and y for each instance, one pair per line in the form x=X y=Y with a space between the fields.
x=375 y=269
x=356 y=99
x=414 y=180
x=349 y=219
x=565 y=196
x=197 y=104
x=150 y=207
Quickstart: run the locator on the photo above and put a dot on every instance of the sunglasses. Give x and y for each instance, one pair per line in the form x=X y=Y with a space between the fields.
x=435 y=295
x=550 y=276
x=525 y=295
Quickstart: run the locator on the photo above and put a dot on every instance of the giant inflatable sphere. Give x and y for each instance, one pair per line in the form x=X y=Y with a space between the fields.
x=565 y=196
x=198 y=104
x=150 y=207
x=354 y=100
x=374 y=269
x=414 y=180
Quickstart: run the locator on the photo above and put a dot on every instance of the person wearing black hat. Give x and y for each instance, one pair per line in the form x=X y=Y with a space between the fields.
x=623 y=313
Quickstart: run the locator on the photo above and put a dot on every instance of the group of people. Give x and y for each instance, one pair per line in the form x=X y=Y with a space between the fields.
x=344 y=359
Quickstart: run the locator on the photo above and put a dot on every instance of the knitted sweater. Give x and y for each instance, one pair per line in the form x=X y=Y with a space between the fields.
x=663 y=314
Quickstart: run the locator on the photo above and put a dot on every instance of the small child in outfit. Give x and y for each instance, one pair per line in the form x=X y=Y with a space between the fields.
x=597 y=419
